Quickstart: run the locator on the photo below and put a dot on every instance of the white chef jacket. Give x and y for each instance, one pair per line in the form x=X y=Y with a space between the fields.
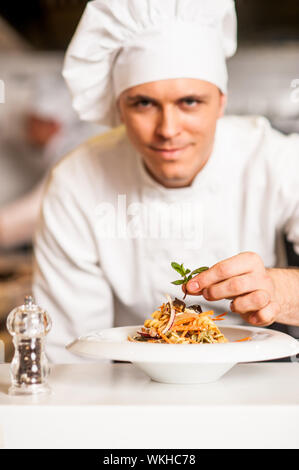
x=108 y=232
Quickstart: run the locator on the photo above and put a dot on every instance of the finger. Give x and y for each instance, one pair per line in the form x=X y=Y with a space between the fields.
x=236 y=286
x=264 y=317
x=184 y=289
x=251 y=302
x=236 y=265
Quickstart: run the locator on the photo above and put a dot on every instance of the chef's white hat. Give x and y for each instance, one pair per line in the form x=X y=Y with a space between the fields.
x=123 y=43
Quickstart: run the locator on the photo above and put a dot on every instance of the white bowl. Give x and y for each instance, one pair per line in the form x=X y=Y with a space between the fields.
x=186 y=363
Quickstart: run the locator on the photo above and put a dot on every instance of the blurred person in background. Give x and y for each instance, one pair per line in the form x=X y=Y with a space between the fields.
x=49 y=130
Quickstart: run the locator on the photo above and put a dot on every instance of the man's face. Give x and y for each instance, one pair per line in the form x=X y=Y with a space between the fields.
x=172 y=124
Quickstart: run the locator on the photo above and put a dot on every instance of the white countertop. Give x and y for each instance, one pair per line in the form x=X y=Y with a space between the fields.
x=109 y=406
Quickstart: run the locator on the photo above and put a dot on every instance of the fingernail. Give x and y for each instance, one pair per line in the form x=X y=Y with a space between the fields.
x=193 y=286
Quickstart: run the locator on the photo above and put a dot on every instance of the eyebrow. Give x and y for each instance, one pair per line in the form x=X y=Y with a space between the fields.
x=139 y=97
x=131 y=99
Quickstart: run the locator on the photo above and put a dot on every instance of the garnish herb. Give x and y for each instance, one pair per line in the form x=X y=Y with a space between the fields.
x=186 y=274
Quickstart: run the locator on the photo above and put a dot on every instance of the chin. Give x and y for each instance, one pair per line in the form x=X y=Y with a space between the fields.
x=176 y=183
x=173 y=171
x=173 y=180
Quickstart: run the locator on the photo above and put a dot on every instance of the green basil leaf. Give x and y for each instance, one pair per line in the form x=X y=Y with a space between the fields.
x=178 y=283
x=183 y=269
x=178 y=268
x=199 y=270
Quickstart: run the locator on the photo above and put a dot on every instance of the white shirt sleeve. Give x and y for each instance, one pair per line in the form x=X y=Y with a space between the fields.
x=293 y=229
x=290 y=190
x=68 y=280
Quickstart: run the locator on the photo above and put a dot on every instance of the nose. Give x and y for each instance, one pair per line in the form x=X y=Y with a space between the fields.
x=168 y=125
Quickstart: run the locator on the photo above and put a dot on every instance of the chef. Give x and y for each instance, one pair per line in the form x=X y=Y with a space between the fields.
x=174 y=180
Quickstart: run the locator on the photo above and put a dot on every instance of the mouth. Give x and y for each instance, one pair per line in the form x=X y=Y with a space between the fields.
x=169 y=153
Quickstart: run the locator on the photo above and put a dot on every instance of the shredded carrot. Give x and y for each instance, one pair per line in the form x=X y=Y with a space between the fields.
x=248 y=338
x=191 y=325
x=164 y=337
x=184 y=319
x=208 y=312
x=188 y=328
x=220 y=317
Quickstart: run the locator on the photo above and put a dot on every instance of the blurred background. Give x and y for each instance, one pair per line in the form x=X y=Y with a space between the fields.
x=38 y=126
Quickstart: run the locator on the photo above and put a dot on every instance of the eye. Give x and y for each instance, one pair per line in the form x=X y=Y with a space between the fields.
x=190 y=102
x=143 y=104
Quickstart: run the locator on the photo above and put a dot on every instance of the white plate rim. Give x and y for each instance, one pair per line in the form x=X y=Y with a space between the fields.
x=266 y=344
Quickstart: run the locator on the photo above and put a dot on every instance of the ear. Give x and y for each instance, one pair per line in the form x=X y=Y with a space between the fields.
x=222 y=104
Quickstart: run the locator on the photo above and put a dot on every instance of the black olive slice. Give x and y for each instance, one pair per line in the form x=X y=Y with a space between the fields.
x=179 y=304
x=196 y=308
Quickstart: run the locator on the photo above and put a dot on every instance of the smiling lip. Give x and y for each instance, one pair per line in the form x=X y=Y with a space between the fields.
x=170 y=153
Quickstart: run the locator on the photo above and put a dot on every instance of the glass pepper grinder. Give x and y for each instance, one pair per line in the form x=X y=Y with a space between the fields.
x=28 y=325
